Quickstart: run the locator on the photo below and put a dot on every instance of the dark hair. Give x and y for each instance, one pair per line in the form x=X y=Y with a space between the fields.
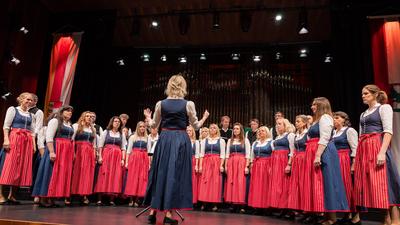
x=241 y=136
x=51 y=116
x=110 y=124
x=381 y=96
x=283 y=115
x=343 y=115
x=59 y=115
x=323 y=107
x=255 y=120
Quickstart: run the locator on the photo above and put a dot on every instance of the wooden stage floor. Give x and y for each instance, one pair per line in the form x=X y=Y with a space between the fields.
x=122 y=215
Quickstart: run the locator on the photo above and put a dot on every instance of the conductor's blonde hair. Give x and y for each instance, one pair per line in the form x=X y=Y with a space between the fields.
x=176 y=86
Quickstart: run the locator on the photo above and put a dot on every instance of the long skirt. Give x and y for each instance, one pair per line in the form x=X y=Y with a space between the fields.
x=195 y=178
x=138 y=173
x=296 y=189
x=260 y=181
x=235 y=186
x=375 y=186
x=170 y=179
x=210 y=181
x=345 y=170
x=17 y=165
x=279 y=189
x=109 y=180
x=83 y=170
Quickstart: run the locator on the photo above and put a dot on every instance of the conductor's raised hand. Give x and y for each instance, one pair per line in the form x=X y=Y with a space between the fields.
x=147 y=113
x=206 y=114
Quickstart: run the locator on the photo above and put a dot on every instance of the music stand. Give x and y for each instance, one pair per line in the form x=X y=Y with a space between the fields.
x=148 y=207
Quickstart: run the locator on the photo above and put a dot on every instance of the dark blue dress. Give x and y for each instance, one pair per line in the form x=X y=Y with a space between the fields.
x=170 y=177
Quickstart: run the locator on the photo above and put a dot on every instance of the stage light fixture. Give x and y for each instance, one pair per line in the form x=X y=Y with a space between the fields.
x=203 y=56
x=15 y=61
x=145 y=57
x=256 y=58
x=303 y=23
x=245 y=20
x=235 y=56
x=303 y=53
x=120 y=62
x=328 y=58
x=6 y=95
x=278 y=56
x=163 y=58
x=182 y=59
x=216 y=24
x=24 y=30
x=155 y=24
x=183 y=23
x=278 y=17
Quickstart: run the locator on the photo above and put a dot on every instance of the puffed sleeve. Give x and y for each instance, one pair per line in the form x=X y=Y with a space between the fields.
x=191 y=111
x=202 y=148
x=148 y=147
x=197 y=149
x=41 y=137
x=291 y=137
x=386 y=113
x=352 y=139
x=51 y=130
x=123 y=144
x=10 y=114
x=228 y=149
x=247 y=148
x=252 y=150
x=75 y=127
x=38 y=121
x=102 y=139
x=155 y=122
x=325 y=129
x=222 y=146
x=130 y=144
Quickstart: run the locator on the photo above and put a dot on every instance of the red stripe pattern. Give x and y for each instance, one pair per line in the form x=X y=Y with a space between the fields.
x=370 y=180
x=83 y=170
x=345 y=169
x=138 y=172
x=260 y=181
x=195 y=177
x=235 y=188
x=313 y=180
x=17 y=168
x=210 y=182
x=279 y=189
x=60 y=182
x=110 y=173
x=296 y=188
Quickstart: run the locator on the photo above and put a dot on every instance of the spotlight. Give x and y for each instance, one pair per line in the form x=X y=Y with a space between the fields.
x=278 y=56
x=154 y=24
x=14 y=60
x=163 y=58
x=303 y=53
x=203 y=56
x=245 y=20
x=182 y=59
x=216 y=24
x=120 y=62
x=4 y=96
x=328 y=58
x=278 y=17
x=145 y=57
x=303 y=24
x=24 y=30
x=256 y=58
x=183 y=23
x=235 y=56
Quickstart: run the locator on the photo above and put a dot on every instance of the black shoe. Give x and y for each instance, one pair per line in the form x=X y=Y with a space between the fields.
x=151 y=219
x=351 y=223
x=309 y=220
x=171 y=221
x=289 y=216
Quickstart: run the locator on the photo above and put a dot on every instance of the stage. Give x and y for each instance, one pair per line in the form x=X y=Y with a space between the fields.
x=126 y=215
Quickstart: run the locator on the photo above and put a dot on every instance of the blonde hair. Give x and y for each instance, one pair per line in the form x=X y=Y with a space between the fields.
x=288 y=126
x=201 y=132
x=176 y=86
x=323 y=107
x=81 y=123
x=266 y=130
x=193 y=137
x=23 y=96
x=217 y=128
x=135 y=136
x=381 y=96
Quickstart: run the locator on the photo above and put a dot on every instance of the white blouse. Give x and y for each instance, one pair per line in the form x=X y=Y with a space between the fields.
x=325 y=129
x=41 y=137
x=38 y=121
x=290 y=137
x=10 y=114
x=52 y=129
x=196 y=149
x=132 y=140
x=85 y=129
x=352 y=138
x=300 y=136
x=258 y=144
x=150 y=147
x=222 y=146
x=386 y=113
x=112 y=134
x=191 y=112
x=237 y=142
